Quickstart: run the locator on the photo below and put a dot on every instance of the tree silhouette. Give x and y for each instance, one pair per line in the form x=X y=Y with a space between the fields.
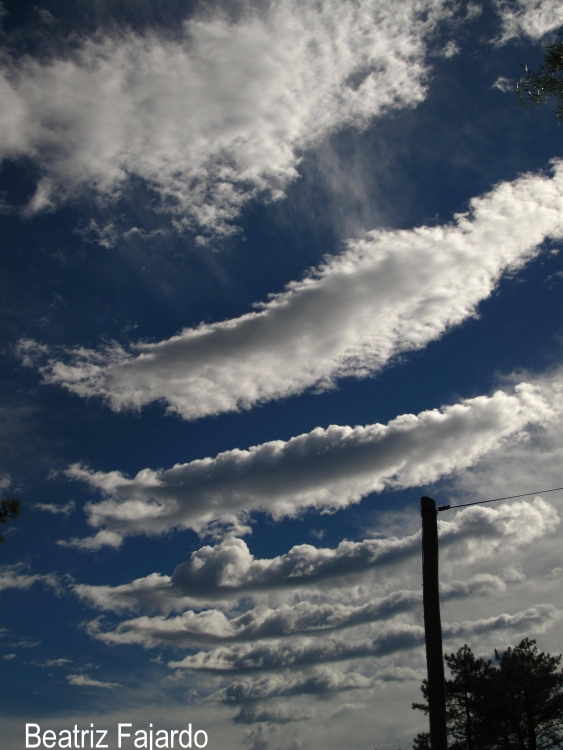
x=515 y=706
x=10 y=508
x=536 y=86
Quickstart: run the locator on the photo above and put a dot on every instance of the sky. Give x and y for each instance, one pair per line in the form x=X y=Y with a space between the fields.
x=272 y=271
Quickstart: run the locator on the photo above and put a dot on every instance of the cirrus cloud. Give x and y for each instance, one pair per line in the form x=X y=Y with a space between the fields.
x=221 y=113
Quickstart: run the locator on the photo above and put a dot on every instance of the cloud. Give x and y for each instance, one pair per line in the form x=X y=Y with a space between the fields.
x=394 y=637
x=276 y=654
x=230 y=570
x=287 y=620
x=56 y=662
x=103 y=538
x=325 y=469
x=10 y=656
x=528 y=18
x=84 y=681
x=388 y=293
x=319 y=681
x=221 y=113
x=503 y=84
x=280 y=713
x=14 y=577
x=65 y=510
x=539 y=618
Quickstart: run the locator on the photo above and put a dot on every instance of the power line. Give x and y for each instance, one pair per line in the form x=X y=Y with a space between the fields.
x=496 y=499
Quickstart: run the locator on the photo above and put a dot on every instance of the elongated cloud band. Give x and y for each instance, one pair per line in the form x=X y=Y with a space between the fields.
x=324 y=469
x=230 y=570
x=287 y=620
x=219 y=114
x=394 y=637
x=390 y=292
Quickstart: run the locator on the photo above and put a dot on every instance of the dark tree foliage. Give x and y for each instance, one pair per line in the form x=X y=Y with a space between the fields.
x=529 y=692
x=515 y=706
x=536 y=86
x=10 y=508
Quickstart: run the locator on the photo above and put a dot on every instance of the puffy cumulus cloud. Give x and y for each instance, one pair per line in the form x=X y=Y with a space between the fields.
x=326 y=469
x=530 y=18
x=16 y=577
x=230 y=570
x=387 y=293
x=287 y=620
x=82 y=680
x=392 y=638
x=482 y=531
x=219 y=114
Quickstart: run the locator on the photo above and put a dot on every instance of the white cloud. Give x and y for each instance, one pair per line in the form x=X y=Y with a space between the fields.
x=528 y=18
x=84 y=681
x=56 y=662
x=287 y=620
x=503 y=84
x=103 y=538
x=387 y=293
x=275 y=654
x=325 y=469
x=65 y=510
x=279 y=713
x=221 y=113
x=318 y=681
x=15 y=577
x=10 y=656
x=230 y=570
x=392 y=638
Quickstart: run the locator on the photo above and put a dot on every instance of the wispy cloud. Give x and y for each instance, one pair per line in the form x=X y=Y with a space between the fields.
x=82 y=680
x=16 y=577
x=287 y=620
x=388 y=293
x=65 y=510
x=219 y=114
x=528 y=18
x=275 y=654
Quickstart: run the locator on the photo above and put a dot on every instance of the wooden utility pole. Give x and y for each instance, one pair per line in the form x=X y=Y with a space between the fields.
x=433 y=625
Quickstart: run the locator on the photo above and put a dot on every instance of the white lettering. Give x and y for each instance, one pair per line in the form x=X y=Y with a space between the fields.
x=189 y=733
x=200 y=731
x=161 y=741
x=103 y=732
x=121 y=734
x=142 y=739
x=29 y=736
x=49 y=736
x=65 y=735
x=172 y=733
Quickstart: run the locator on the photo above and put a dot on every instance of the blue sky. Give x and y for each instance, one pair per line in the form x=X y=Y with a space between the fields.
x=271 y=272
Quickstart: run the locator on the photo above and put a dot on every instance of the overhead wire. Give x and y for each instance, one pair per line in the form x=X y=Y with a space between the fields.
x=496 y=499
